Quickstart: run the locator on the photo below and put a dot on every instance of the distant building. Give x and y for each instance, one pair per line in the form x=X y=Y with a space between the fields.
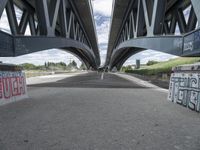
x=137 y=64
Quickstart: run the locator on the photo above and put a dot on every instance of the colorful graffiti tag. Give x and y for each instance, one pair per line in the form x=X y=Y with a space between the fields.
x=12 y=86
x=184 y=89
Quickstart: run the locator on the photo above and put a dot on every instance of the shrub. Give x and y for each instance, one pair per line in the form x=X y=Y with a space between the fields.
x=151 y=62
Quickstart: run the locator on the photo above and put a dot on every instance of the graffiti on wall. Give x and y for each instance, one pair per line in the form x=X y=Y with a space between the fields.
x=184 y=89
x=191 y=42
x=12 y=86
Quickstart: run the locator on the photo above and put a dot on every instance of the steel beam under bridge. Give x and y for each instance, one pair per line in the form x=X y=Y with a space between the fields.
x=169 y=26
x=63 y=24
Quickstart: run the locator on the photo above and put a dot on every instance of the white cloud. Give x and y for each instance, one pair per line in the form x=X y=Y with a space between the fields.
x=102 y=7
x=103 y=31
x=39 y=58
x=102 y=13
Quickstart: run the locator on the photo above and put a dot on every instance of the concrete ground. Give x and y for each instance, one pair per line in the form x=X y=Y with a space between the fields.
x=95 y=112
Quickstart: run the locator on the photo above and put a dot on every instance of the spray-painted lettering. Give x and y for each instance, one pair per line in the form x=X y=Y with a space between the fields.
x=12 y=86
x=184 y=89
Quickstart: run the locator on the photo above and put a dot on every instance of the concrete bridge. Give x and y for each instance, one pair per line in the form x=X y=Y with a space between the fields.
x=62 y=24
x=92 y=110
x=161 y=25
x=136 y=25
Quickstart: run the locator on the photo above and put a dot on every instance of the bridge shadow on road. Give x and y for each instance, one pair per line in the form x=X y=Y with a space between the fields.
x=92 y=80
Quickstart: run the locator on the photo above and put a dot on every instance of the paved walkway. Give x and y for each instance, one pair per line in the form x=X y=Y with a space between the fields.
x=86 y=112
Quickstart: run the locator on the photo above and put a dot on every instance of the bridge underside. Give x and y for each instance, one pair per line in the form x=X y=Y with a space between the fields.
x=20 y=45
x=169 y=26
x=53 y=24
x=175 y=45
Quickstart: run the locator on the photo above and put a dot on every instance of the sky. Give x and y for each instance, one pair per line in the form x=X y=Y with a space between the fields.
x=102 y=14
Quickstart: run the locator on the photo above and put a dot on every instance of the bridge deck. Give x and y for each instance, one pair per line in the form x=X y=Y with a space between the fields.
x=85 y=112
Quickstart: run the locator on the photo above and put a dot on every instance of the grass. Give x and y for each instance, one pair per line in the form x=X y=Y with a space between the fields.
x=164 y=67
x=34 y=73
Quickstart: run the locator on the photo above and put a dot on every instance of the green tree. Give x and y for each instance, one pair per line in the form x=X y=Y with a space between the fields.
x=28 y=66
x=72 y=65
x=45 y=65
x=128 y=67
x=151 y=62
x=125 y=68
x=82 y=67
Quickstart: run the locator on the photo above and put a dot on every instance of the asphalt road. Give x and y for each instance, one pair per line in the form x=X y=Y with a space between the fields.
x=85 y=112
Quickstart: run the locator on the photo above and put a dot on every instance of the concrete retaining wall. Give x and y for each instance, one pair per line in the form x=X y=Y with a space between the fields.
x=184 y=88
x=12 y=86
